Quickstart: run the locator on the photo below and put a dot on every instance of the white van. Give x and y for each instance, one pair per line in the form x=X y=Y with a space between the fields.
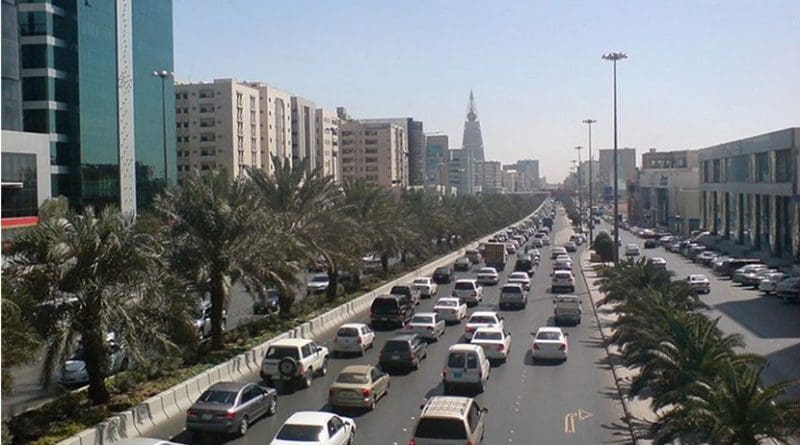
x=568 y=308
x=465 y=365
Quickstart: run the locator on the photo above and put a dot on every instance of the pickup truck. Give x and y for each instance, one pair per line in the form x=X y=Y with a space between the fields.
x=408 y=290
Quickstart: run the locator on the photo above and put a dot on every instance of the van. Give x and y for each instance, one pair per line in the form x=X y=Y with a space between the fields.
x=465 y=366
x=391 y=309
x=567 y=308
x=448 y=420
x=730 y=265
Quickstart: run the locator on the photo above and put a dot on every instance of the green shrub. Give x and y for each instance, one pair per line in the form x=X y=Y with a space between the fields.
x=604 y=246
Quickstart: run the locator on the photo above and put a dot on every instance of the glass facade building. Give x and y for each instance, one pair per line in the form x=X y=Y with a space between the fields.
x=88 y=81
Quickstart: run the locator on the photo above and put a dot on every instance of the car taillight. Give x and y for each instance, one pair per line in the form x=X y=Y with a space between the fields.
x=358 y=340
x=500 y=348
x=469 y=329
x=335 y=339
x=536 y=346
x=430 y=328
x=331 y=392
x=563 y=347
x=474 y=293
x=227 y=415
x=191 y=413
x=365 y=392
x=444 y=372
x=412 y=442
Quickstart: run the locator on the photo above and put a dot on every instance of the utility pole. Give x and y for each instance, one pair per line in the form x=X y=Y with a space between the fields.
x=614 y=57
x=589 y=122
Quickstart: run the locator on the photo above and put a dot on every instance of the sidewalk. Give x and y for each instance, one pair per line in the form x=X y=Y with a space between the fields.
x=637 y=410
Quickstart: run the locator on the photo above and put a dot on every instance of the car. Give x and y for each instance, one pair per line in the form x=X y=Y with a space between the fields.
x=318 y=284
x=230 y=408
x=511 y=248
x=753 y=278
x=549 y=343
x=462 y=264
x=521 y=278
x=740 y=273
x=443 y=275
x=427 y=325
x=699 y=283
x=394 y=309
x=480 y=319
x=521 y=253
x=294 y=360
x=556 y=251
x=650 y=244
x=731 y=265
x=695 y=250
x=466 y=365
x=576 y=238
x=658 y=262
x=403 y=351
x=448 y=420
x=570 y=246
x=267 y=302
x=316 y=428
x=537 y=242
x=512 y=294
x=353 y=337
x=73 y=372
x=488 y=275
x=718 y=262
x=769 y=283
x=358 y=386
x=474 y=256
x=705 y=257
x=545 y=240
x=562 y=264
x=201 y=319
x=450 y=309
x=468 y=290
x=562 y=280
x=789 y=289
x=408 y=290
x=631 y=250
x=567 y=308
x=535 y=254
x=496 y=343
x=426 y=286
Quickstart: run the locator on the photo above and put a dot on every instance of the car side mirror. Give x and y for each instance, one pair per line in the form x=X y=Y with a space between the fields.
x=566 y=334
x=319 y=349
x=533 y=333
x=554 y=301
x=484 y=410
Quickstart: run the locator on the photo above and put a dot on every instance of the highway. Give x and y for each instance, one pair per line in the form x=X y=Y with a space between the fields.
x=573 y=402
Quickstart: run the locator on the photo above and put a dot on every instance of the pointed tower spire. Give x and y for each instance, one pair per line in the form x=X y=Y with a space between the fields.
x=472 y=109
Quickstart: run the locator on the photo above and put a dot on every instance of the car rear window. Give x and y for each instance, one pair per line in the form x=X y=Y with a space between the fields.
x=512 y=290
x=396 y=346
x=548 y=336
x=347 y=332
x=446 y=303
x=221 y=397
x=482 y=319
x=300 y=433
x=422 y=319
x=487 y=336
x=442 y=270
x=456 y=360
x=351 y=377
x=433 y=428
x=464 y=286
x=278 y=352
x=384 y=304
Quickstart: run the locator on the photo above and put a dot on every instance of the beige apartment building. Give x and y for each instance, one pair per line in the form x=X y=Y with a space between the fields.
x=275 y=115
x=489 y=176
x=217 y=127
x=374 y=152
x=327 y=143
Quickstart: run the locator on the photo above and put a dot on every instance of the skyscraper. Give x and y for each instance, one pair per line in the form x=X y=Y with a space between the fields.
x=472 y=145
x=87 y=77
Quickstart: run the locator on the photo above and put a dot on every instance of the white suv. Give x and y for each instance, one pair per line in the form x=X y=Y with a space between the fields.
x=469 y=291
x=562 y=280
x=294 y=359
x=447 y=420
x=465 y=365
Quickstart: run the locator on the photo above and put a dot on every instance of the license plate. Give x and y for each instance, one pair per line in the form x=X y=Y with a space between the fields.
x=458 y=374
x=395 y=357
x=206 y=417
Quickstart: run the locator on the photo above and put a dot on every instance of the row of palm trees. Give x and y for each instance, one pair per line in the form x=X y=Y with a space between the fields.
x=77 y=276
x=704 y=389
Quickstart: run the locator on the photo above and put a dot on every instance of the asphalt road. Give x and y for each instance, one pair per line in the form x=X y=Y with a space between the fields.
x=572 y=402
x=768 y=325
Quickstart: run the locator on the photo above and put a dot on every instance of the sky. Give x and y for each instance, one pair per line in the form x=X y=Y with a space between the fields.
x=699 y=73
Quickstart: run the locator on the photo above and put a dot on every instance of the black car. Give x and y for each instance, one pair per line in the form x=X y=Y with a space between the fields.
x=267 y=302
x=403 y=352
x=524 y=264
x=462 y=264
x=443 y=275
x=391 y=309
x=650 y=244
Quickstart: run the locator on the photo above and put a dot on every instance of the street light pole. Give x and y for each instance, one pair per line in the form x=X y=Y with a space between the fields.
x=614 y=57
x=580 y=195
x=164 y=75
x=589 y=122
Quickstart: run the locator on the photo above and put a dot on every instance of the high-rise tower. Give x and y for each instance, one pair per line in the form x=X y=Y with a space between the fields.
x=473 y=141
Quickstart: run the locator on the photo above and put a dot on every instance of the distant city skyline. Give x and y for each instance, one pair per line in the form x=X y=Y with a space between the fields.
x=698 y=74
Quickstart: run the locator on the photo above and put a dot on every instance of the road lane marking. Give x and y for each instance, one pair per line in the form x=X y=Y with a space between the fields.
x=569 y=423
x=583 y=415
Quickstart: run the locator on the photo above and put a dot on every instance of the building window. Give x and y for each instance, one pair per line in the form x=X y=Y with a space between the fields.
x=19 y=173
x=784 y=166
x=738 y=169
x=762 y=167
x=717 y=171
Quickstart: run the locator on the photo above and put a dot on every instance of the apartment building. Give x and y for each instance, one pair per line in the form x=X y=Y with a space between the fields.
x=668 y=190
x=488 y=176
x=304 y=133
x=327 y=143
x=510 y=180
x=415 y=141
x=217 y=127
x=275 y=115
x=374 y=152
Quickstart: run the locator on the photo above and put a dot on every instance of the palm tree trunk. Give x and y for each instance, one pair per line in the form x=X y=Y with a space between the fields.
x=95 y=350
x=333 y=283
x=217 y=285
x=385 y=262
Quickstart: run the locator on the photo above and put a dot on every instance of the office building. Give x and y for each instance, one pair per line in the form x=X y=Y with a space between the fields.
x=87 y=78
x=415 y=142
x=510 y=181
x=217 y=127
x=668 y=191
x=374 y=152
x=275 y=115
x=304 y=132
x=456 y=171
x=11 y=78
x=626 y=168
x=749 y=193
x=437 y=160
x=488 y=177
x=327 y=143
x=529 y=168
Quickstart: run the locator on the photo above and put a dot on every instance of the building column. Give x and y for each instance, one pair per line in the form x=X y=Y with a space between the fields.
x=738 y=215
x=794 y=231
x=725 y=216
x=773 y=225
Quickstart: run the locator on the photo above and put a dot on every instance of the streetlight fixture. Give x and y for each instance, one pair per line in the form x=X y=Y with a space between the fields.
x=164 y=75
x=589 y=122
x=614 y=57
x=580 y=195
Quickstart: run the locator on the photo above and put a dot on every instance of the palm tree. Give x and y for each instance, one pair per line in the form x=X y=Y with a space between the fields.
x=86 y=276
x=20 y=341
x=630 y=279
x=731 y=408
x=212 y=224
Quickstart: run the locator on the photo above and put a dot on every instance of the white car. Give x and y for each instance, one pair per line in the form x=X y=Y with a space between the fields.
x=561 y=263
x=482 y=319
x=468 y=290
x=521 y=278
x=699 y=283
x=562 y=280
x=318 y=284
x=534 y=253
x=496 y=343
x=465 y=365
x=549 y=343
x=451 y=309
x=556 y=251
x=316 y=428
x=294 y=359
x=488 y=275
x=537 y=242
x=427 y=325
x=658 y=262
x=769 y=283
x=631 y=250
x=545 y=240
x=353 y=337
x=426 y=286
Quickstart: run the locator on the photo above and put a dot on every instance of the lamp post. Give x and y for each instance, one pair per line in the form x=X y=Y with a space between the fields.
x=580 y=195
x=614 y=57
x=589 y=122
x=164 y=75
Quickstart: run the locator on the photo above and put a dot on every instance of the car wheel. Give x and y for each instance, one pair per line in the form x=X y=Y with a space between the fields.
x=272 y=408
x=371 y=406
x=352 y=439
x=324 y=370
x=243 y=426
x=307 y=378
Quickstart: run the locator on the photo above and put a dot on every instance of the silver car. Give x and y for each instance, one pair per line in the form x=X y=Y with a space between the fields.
x=73 y=373
x=231 y=407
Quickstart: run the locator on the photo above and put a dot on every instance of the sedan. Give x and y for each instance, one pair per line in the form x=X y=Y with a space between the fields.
x=770 y=282
x=462 y=264
x=482 y=319
x=537 y=242
x=488 y=275
x=570 y=246
x=426 y=286
x=316 y=428
x=451 y=310
x=521 y=278
x=658 y=262
x=358 y=386
x=427 y=325
x=631 y=250
x=549 y=343
x=650 y=244
x=353 y=337
x=230 y=407
x=318 y=284
x=754 y=278
x=699 y=283
x=789 y=289
x=740 y=273
x=496 y=343
x=443 y=275
x=267 y=303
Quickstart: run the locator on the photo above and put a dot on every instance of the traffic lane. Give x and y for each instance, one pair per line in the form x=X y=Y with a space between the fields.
x=767 y=324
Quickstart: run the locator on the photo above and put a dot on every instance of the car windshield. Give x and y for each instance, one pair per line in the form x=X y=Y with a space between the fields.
x=562 y=276
x=487 y=336
x=697 y=278
x=319 y=279
x=352 y=377
x=279 y=352
x=422 y=319
x=347 y=332
x=221 y=397
x=464 y=286
x=446 y=303
x=434 y=428
x=300 y=433
x=482 y=319
x=548 y=335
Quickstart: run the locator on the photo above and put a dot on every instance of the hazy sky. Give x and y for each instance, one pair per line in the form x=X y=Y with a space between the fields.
x=699 y=72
